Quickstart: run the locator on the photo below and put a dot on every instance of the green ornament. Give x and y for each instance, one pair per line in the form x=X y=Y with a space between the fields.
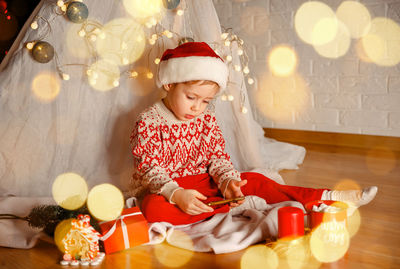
x=42 y=52
x=77 y=12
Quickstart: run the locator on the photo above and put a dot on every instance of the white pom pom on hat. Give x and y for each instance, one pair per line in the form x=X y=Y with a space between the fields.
x=192 y=61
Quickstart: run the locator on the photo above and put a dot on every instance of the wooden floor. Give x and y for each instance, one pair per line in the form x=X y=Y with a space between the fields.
x=376 y=245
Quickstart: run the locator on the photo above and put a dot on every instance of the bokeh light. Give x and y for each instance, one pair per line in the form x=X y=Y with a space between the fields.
x=9 y=27
x=346 y=184
x=70 y=191
x=77 y=46
x=105 y=202
x=259 y=255
x=382 y=43
x=338 y=46
x=144 y=9
x=171 y=256
x=310 y=20
x=123 y=43
x=293 y=254
x=279 y=97
x=354 y=223
x=361 y=52
x=329 y=242
x=46 y=86
x=181 y=239
x=380 y=160
x=355 y=16
x=282 y=60
x=102 y=75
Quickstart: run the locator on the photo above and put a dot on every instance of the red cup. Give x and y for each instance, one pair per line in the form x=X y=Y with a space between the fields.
x=290 y=222
x=316 y=218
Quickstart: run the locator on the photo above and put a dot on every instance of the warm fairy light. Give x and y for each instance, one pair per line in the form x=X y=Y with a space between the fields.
x=70 y=191
x=168 y=34
x=250 y=81
x=124 y=46
x=382 y=43
x=282 y=61
x=230 y=97
x=154 y=36
x=224 y=35
x=116 y=83
x=246 y=70
x=60 y=3
x=310 y=21
x=179 y=12
x=354 y=222
x=82 y=33
x=244 y=110
x=157 y=61
x=65 y=76
x=29 y=45
x=34 y=25
x=152 y=41
x=224 y=97
x=46 y=86
x=240 y=52
x=229 y=58
x=338 y=46
x=227 y=43
x=258 y=255
x=89 y=72
x=64 y=8
x=355 y=16
x=237 y=67
x=149 y=75
x=125 y=61
x=134 y=74
x=105 y=202
x=103 y=75
x=102 y=35
x=93 y=38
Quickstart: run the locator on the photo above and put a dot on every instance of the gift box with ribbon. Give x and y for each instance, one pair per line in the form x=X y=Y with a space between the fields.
x=128 y=230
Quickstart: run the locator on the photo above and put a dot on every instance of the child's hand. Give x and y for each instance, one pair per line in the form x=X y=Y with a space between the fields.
x=188 y=201
x=232 y=190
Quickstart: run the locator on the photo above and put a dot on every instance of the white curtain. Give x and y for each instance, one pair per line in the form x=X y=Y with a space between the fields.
x=86 y=131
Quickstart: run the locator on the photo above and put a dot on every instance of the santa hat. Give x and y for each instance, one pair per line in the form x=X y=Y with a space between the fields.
x=192 y=61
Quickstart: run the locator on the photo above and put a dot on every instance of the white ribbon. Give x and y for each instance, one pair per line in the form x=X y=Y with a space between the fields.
x=123 y=227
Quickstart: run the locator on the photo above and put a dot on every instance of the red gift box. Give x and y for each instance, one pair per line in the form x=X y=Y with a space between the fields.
x=128 y=230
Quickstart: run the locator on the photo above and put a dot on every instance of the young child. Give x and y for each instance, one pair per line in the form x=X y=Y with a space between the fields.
x=178 y=148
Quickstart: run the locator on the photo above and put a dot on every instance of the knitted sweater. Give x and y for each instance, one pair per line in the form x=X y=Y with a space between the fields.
x=165 y=148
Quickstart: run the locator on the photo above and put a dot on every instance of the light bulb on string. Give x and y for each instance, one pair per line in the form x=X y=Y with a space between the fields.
x=244 y=110
x=240 y=52
x=237 y=67
x=157 y=61
x=125 y=61
x=224 y=35
x=34 y=25
x=65 y=76
x=63 y=8
x=29 y=45
x=134 y=74
x=93 y=38
x=229 y=58
x=179 y=12
x=149 y=75
x=116 y=83
x=152 y=41
x=246 y=70
x=227 y=43
x=250 y=81
x=224 y=97
x=82 y=33
x=230 y=97
x=60 y=3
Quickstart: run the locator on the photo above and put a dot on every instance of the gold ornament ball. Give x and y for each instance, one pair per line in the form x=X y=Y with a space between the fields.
x=42 y=52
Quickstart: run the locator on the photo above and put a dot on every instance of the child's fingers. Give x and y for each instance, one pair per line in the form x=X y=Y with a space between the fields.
x=198 y=195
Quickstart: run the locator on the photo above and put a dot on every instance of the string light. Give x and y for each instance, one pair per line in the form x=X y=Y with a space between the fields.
x=224 y=97
x=246 y=70
x=134 y=74
x=115 y=83
x=34 y=25
x=29 y=45
x=237 y=67
x=244 y=110
x=179 y=12
x=250 y=81
x=229 y=58
x=157 y=61
x=149 y=75
x=230 y=97
x=82 y=33
x=65 y=76
x=64 y=8
x=60 y=3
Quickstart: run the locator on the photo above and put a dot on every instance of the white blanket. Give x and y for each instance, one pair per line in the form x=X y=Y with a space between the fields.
x=252 y=222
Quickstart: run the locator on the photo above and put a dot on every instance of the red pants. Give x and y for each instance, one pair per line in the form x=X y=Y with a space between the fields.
x=156 y=208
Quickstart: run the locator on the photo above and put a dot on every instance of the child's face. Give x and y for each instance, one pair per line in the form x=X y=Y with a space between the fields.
x=189 y=100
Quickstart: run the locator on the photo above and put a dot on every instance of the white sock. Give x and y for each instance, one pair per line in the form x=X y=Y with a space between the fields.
x=354 y=197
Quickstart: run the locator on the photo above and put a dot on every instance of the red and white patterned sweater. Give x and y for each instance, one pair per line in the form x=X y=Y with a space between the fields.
x=165 y=148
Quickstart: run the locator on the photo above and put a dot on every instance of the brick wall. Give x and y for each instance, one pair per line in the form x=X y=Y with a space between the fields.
x=345 y=95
